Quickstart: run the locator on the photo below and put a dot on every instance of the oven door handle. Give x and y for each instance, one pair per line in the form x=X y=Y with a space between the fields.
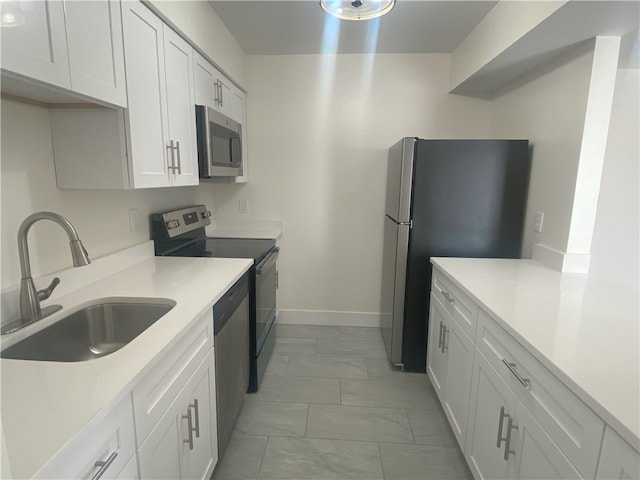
x=268 y=260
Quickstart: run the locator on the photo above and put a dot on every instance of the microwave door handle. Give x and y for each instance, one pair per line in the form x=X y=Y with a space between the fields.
x=231 y=156
x=208 y=147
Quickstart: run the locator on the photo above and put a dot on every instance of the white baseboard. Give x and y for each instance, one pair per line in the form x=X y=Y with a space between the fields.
x=561 y=261
x=321 y=317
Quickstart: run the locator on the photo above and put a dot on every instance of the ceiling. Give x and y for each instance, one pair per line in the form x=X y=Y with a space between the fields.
x=296 y=27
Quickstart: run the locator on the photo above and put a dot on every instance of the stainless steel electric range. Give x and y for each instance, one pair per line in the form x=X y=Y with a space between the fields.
x=181 y=233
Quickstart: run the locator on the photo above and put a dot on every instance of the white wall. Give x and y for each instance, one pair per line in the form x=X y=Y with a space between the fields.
x=615 y=248
x=29 y=185
x=548 y=107
x=320 y=127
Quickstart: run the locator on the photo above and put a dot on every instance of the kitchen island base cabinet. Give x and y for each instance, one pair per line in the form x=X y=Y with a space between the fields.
x=183 y=445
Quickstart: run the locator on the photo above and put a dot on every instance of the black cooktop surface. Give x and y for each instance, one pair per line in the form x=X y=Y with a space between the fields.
x=227 y=248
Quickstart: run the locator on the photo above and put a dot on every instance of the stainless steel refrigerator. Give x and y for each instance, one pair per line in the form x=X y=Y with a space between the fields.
x=445 y=198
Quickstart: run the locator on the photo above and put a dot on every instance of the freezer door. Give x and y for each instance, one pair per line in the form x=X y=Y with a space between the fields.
x=399 y=178
x=394 y=269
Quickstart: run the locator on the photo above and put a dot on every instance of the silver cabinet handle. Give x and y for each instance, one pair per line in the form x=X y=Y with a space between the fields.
x=440 y=337
x=450 y=299
x=507 y=443
x=444 y=337
x=171 y=149
x=197 y=412
x=179 y=163
x=221 y=93
x=526 y=383
x=104 y=465
x=190 y=428
x=500 y=424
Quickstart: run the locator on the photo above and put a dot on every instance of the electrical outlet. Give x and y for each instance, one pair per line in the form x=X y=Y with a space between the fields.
x=537 y=226
x=134 y=220
x=243 y=206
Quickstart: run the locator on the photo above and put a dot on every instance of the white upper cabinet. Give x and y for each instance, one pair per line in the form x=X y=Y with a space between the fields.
x=181 y=108
x=212 y=87
x=96 y=53
x=75 y=45
x=161 y=113
x=150 y=144
x=36 y=46
x=147 y=112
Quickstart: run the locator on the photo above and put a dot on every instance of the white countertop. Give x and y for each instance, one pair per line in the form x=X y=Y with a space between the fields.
x=584 y=329
x=44 y=404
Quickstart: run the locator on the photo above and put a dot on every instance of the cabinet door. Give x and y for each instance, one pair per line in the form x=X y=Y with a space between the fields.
x=159 y=455
x=236 y=111
x=203 y=81
x=493 y=403
x=181 y=108
x=535 y=455
x=201 y=392
x=36 y=46
x=144 y=59
x=96 y=52
x=436 y=357
x=617 y=460
x=459 y=350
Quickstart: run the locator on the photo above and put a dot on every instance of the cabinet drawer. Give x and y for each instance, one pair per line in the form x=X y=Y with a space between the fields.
x=570 y=423
x=159 y=388
x=461 y=307
x=111 y=442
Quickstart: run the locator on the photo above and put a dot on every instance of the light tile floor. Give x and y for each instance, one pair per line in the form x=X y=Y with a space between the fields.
x=332 y=408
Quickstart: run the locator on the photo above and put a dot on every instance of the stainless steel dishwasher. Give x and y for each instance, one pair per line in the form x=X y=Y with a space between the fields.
x=231 y=329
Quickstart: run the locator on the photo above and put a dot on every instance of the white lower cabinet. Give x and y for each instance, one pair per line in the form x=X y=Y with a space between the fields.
x=618 y=460
x=449 y=365
x=493 y=405
x=105 y=449
x=172 y=410
x=505 y=441
x=183 y=443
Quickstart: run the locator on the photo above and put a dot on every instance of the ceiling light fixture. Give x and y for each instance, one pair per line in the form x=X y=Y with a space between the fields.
x=357 y=9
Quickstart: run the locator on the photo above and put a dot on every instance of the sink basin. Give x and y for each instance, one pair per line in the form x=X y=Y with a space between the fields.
x=92 y=332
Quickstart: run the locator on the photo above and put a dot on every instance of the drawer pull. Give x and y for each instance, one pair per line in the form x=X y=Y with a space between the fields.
x=526 y=383
x=449 y=298
x=104 y=465
x=440 y=337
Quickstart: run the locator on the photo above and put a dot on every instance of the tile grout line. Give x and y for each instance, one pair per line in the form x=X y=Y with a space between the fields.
x=264 y=453
x=381 y=462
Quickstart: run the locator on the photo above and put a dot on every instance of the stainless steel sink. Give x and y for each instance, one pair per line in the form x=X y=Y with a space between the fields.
x=92 y=332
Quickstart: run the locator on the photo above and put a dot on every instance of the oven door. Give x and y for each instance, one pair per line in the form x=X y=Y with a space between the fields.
x=266 y=285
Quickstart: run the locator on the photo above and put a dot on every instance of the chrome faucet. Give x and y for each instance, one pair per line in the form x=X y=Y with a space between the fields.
x=30 y=297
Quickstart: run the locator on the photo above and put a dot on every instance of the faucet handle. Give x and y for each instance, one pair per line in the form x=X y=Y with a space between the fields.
x=46 y=293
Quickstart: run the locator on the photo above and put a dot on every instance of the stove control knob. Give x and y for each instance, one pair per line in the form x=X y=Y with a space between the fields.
x=206 y=214
x=172 y=224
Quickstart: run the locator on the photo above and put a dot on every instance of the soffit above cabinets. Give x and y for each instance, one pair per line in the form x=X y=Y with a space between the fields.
x=265 y=27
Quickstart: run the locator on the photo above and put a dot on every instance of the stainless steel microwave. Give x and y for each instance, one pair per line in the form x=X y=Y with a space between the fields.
x=219 y=144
